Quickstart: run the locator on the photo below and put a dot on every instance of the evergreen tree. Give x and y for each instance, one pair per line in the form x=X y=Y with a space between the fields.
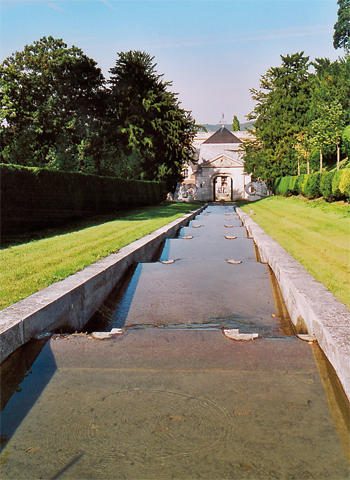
x=147 y=118
x=331 y=82
x=281 y=113
x=235 y=124
x=341 y=36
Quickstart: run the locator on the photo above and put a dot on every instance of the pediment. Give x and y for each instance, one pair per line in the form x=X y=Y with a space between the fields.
x=223 y=161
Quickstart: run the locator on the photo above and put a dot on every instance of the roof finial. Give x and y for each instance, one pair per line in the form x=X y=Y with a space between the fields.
x=222 y=120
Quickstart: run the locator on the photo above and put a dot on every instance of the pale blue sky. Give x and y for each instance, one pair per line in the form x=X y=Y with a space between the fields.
x=214 y=51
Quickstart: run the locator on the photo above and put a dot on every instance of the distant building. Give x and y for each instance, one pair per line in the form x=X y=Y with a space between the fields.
x=219 y=173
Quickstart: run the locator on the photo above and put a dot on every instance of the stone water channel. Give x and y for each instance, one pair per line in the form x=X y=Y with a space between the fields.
x=170 y=394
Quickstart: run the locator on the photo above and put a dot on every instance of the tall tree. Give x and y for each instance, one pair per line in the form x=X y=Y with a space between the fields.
x=145 y=117
x=327 y=128
x=235 y=124
x=50 y=98
x=303 y=146
x=281 y=113
x=346 y=141
x=330 y=106
x=331 y=82
x=341 y=36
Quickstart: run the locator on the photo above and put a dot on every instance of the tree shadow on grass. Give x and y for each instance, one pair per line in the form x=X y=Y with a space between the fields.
x=165 y=211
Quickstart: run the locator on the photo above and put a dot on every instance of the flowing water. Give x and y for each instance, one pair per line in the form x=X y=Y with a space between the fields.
x=171 y=396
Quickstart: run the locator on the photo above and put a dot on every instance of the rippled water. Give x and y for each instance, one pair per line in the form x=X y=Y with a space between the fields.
x=178 y=399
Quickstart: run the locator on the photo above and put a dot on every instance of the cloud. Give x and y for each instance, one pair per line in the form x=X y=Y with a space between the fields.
x=108 y=5
x=54 y=7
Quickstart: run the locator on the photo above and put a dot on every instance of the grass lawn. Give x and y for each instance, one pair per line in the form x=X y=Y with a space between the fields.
x=33 y=265
x=315 y=233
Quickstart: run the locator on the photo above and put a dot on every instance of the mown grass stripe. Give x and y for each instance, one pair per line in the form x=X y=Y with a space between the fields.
x=315 y=233
x=31 y=266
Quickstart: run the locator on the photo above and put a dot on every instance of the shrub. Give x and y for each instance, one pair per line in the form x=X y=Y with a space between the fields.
x=331 y=185
x=283 y=186
x=34 y=198
x=312 y=186
x=344 y=183
x=293 y=185
x=276 y=184
x=326 y=185
x=300 y=184
x=336 y=193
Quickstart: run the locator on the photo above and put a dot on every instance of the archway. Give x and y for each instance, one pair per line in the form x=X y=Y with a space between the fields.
x=223 y=188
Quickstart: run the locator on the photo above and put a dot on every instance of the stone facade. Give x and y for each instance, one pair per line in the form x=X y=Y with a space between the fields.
x=219 y=173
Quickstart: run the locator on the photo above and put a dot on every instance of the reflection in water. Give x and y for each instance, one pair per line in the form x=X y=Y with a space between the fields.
x=185 y=403
x=16 y=367
x=29 y=390
x=101 y=320
x=67 y=467
x=336 y=397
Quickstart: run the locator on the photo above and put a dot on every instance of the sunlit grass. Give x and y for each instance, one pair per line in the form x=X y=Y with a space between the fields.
x=29 y=267
x=315 y=233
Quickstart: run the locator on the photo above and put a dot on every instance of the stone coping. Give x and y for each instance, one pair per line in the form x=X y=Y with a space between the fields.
x=71 y=302
x=312 y=308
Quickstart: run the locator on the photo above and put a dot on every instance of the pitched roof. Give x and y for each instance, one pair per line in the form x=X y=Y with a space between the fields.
x=222 y=136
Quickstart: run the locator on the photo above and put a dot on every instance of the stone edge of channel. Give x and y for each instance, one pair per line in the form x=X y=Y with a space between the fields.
x=72 y=301
x=307 y=301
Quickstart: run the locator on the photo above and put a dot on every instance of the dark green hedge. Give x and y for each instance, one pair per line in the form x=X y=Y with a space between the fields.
x=35 y=198
x=332 y=186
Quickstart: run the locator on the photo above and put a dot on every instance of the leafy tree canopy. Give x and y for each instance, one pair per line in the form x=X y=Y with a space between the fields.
x=50 y=97
x=299 y=115
x=146 y=117
x=281 y=112
x=346 y=140
x=58 y=113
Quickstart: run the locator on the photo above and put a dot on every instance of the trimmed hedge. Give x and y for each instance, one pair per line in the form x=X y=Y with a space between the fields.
x=332 y=186
x=35 y=198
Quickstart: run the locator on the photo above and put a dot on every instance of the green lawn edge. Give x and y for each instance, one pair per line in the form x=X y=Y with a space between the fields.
x=31 y=266
x=314 y=232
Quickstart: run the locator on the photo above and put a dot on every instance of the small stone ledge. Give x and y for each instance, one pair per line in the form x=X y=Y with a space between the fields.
x=71 y=302
x=308 y=301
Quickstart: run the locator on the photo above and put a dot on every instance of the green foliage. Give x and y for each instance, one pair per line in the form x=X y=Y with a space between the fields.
x=293 y=185
x=299 y=114
x=344 y=184
x=312 y=186
x=281 y=113
x=58 y=114
x=50 y=98
x=34 y=198
x=341 y=37
x=145 y=117
x=346 y=141
x=341 y=185
x=301 y=182
x=331 y=85
x=286 y=186
x=235 y=124
x=326 y=185
x=332 y=186
x=327 y=126
x=336 y=193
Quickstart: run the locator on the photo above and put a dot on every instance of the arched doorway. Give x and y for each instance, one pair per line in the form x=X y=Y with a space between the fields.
x=223 y=187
